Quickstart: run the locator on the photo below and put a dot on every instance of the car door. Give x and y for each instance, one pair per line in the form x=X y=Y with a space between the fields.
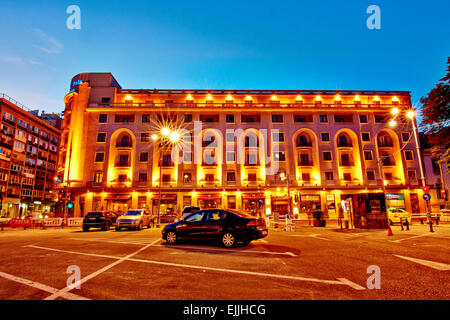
x=214 y=224
x=191 y=226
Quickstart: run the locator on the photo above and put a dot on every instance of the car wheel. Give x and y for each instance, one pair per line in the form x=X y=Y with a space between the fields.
x=85 y=229
x=228 y=240
x=118 y=229
x=171 y=237
x=149 y=225
x=140 y=226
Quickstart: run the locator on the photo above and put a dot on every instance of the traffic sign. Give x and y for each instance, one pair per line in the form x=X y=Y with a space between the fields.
x=426 y=189
x=426 y=197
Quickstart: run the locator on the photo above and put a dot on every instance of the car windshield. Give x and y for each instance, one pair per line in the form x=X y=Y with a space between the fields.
x=241 y=214
x=133 y=213
x=94 y=214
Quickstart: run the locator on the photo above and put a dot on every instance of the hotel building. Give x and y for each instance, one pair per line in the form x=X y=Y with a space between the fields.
x=329 y=148
x=29 y=150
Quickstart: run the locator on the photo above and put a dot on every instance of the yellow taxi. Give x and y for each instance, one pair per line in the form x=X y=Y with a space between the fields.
x=395 y=214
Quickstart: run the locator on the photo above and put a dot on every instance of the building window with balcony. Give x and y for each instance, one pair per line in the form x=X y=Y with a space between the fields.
x=100 y=157
x=303 y=118
x=123 y=160
x=143 y=177
x=103 y=118
x=250 y=118
x=387 y=159
x=166 y=178
x=306 y=177
x=329 y=176
x=385 y=140
x=347 y=176
x=412 y=175
x=231 y=176
x=187 y=178
x=167 y=160
x=368 y=155
x=124 y=118
x=209 y=178
x=123 y=178
x=124 y=142
x=252 y=177
x=344 y=141
x=98 y=177
x=370 y=175
x=101 y=137
x=325 y=137
x=345 y=160
x=388 y=176
x=327 y=156
x=143 y=157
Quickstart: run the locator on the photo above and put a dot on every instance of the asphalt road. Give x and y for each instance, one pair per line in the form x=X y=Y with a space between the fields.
x=310 y=263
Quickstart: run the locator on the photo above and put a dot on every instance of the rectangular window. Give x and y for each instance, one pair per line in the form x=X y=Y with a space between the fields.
x=103 y=118
x=187 y=157
x=166 y=178
x=279 y=156
x=277 y=118
x=209 y=177
x=98 y=177
x=409 y=155
x=370 y=175
x=412 y=175
x=230 y=118
x=99 y=157
x=325 y=137
x=252 y=177
x=231 y=176
x=145 y=118
x=388 y=176
x=231 y=157
x=278 y=137
x=363 y=118
x=187 y=118
x=347 y=176
x=145 y=137
x=405 y=136
x=348 y=118
x=304 y=160
x=329 y=176
x=120 y=118
x=231 y=202
x=327 y=156
x=123 y=178
x=106 y=100
x=143 y=157
x=230 y=137
x=323 y=118
x=101 y=137
x=368 y=155
x=187 y=178
x=302 y=118
x=143 y=177
x=365 y=136
x=250 y=118
x=306 y=177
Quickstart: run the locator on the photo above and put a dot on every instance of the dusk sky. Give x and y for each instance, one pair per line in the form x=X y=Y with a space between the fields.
x=261 y=44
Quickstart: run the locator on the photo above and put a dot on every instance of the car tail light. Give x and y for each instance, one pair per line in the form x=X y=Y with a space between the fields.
x=253 y=223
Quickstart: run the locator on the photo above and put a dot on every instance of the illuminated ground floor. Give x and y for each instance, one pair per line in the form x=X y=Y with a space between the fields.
x=16 y=207
x=274 y=203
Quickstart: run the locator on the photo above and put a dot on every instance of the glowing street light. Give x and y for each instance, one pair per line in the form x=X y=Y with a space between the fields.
x=395 y=111
x=411 y=114
x=392 y=123
x=165 y=132
x=155 y=137
x=174 y=137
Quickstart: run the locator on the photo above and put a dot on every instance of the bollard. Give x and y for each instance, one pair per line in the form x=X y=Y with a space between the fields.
x=437 y=219
x=401 y=223
x=407 y=225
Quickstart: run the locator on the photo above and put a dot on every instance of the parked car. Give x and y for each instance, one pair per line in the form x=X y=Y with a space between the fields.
x=395 y=214
x=134 y=219
x=228 y=227
x=188 y=210
x=167 y=218
x=101 y=219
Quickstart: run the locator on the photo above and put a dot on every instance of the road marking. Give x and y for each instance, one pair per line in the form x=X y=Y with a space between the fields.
x=138 y=242
x=73 y=252
x=435 y=265
x=41 y=286
x=230 y=251
x=98 y=272
x=340 y=281
x=409 y=238
x=316 y=236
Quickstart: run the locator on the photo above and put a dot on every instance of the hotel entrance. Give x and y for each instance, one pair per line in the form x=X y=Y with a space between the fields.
x=168 y=204
x=279 y=207
x=254 y=204
x=210 y=201
x=118 y=203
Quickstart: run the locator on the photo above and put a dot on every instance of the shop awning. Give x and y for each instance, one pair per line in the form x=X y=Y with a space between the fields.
x=253 y=196
x=118 y=197
x=209 y=197
x=165 y=197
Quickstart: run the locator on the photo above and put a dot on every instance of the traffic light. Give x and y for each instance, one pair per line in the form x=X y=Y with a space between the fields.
x=70 y=206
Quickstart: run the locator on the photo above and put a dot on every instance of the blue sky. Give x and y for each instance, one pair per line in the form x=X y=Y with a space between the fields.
x=231 y=44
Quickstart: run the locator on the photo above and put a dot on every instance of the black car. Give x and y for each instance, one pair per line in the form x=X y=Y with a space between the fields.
x=226 y=226
x=103 y=220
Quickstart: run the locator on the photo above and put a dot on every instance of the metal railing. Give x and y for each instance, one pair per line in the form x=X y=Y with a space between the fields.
x=17 y=103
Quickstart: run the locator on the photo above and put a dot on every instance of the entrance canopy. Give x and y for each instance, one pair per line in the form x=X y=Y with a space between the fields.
x=254 y=196
x=165 y=197
x=118 y=197
x=210 y=197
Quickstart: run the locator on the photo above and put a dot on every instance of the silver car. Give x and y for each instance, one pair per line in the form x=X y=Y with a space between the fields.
x=134 y=219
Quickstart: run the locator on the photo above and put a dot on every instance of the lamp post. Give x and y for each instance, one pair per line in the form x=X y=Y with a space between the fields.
x=166 y=136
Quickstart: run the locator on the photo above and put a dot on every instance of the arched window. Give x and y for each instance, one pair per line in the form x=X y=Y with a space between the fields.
x=303 y=141
x=344 y=141
x=124 y=141
x=385 y=140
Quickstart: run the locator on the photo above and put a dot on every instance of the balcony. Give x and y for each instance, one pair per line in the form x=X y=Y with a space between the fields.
x=124 y=145
x=305 y=163
x=123 y=164
x=346 y=164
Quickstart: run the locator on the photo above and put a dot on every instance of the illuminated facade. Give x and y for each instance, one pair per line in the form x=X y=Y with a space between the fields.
x=325 y=146
x=29 y=150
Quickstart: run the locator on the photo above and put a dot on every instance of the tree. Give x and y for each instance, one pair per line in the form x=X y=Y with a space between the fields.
x=436 y=118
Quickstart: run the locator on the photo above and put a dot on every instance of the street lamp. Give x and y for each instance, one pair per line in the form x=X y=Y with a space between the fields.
x=166 y=136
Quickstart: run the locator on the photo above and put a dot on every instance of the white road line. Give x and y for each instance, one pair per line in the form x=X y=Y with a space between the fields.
x=315 y=236
x=435 y=265
x=231 y=251
x=341 y=281
x=41 y=286
x=409 y=238
x=98 y=272
x=140 y=243
x=74 y=252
